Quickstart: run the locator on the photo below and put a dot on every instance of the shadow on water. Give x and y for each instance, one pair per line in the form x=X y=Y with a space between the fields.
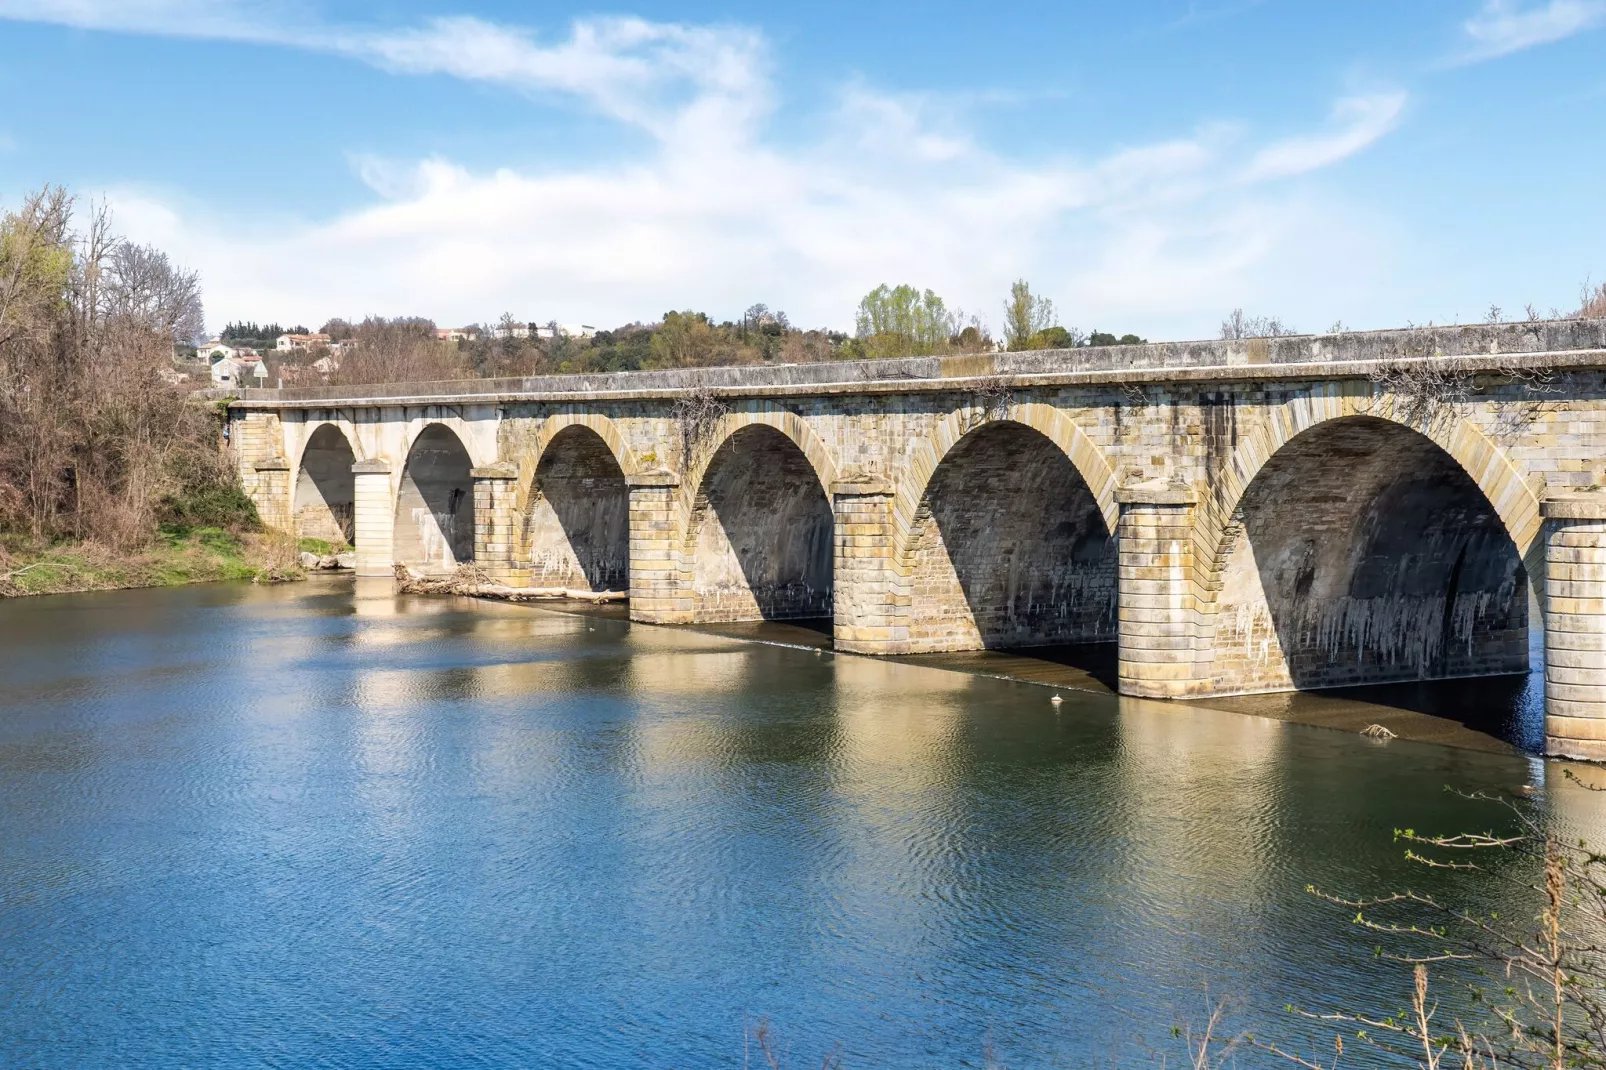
x=1488 y=713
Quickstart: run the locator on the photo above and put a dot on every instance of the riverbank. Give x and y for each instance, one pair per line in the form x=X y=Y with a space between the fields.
x=174 y=557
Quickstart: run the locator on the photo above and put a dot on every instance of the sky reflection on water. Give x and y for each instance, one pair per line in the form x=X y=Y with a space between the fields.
x=277 y=827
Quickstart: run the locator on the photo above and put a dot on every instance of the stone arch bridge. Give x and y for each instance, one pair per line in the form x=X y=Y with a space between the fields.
x=1261 y=515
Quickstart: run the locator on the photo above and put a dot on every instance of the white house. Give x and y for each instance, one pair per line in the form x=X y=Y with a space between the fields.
x=286 y=343
x=226 y=371
x=567 y=330
x=215 y=350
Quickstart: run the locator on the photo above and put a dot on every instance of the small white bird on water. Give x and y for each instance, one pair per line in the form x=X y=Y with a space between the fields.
x=1056 y=700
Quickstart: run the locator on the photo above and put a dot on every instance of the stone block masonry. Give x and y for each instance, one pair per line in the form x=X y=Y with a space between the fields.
x=1236 y=516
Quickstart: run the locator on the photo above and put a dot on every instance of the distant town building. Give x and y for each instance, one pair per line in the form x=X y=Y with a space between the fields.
x=226 y=371
x=215 y=350
x=456 y=334
x=567 y=330
x=287 y=343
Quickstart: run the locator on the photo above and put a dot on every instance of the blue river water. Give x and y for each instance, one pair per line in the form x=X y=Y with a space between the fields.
x=324 y=825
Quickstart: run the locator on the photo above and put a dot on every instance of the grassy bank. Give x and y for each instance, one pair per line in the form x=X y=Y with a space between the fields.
x=175 y=556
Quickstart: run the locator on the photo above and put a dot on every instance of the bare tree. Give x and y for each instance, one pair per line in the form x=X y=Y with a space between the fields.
x=143 y=287
x=399 y=350
x=1239 y=326
x=93 y=441
x=1591 y=301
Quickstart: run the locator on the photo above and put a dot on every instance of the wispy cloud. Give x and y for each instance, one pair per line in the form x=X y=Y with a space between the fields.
x=721 y=210
x=1501 y=27
x=1359 y=121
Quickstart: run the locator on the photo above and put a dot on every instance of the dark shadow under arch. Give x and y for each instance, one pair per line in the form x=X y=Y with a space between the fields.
x=577 y=527
x=1010 y=548
x=326 y=490
x=761 y=532
x=435 y=504
x=1375 y=558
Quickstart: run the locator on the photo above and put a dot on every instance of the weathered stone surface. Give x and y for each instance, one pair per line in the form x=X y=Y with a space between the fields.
x=1285 y=513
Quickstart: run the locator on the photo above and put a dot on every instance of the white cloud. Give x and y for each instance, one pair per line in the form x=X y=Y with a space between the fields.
x=719 y=213
x=1501 y=27
x=1362 y=120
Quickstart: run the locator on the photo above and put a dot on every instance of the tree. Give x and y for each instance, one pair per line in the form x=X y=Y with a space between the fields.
x=1026 y=316
x=1239 y=326
x=685 y=340
x=337 y=329
x=1059 y=338
x=93 y=440
x=142 y=286
x=399 y=350
x=903 y=322
x=1104 y=338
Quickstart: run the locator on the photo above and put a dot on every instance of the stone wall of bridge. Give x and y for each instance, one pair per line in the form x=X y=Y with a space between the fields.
x=1233 y=528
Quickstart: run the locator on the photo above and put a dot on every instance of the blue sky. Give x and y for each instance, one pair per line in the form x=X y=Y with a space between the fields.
x=1149 y=165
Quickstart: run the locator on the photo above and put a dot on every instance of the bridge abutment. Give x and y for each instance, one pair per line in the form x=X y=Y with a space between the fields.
x=1575 y=625
x=373 y=518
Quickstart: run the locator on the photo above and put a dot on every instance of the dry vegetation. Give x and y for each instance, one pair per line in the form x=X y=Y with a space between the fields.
x=97 y=449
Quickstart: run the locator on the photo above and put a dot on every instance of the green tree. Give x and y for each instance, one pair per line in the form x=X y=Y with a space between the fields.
x=903 y=322
x=1026 y=316
x=1104 y=338
x=683 y=340
x=1057 y=337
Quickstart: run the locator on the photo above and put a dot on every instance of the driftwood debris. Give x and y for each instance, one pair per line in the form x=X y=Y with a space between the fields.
x=471 y=580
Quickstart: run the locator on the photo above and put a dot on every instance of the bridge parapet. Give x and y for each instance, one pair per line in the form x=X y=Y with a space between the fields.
x=1157 y=360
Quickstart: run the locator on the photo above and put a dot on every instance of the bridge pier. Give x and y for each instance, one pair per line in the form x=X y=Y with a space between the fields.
x=494 y=508
x=871 y=613
x=656 y=581
x=1575 y=625
x=1155 y=591
x=373 y=518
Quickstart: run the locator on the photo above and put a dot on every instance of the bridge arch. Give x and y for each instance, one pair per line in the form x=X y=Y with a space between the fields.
x=1004 y=534
x=1050 y=422
x=574 y=509
x=1345 y=546
x=604 y=429
x=784 y=421
x=759 y=531
x=325 y=491
x=434 y=526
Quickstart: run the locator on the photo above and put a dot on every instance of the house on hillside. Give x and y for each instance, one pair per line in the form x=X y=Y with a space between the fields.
x=290 y=343
x=226 y=371
x=215 y=350
x=565 y=330
x=456 y=334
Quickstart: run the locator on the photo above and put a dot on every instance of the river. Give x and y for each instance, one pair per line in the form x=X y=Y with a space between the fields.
x=321 y=824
